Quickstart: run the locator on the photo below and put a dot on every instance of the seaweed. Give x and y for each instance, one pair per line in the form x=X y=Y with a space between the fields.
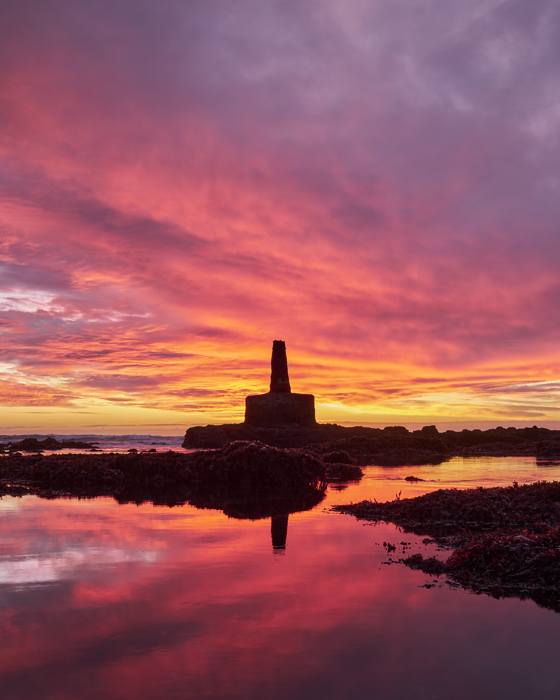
x=245 y=479
x=504 y=541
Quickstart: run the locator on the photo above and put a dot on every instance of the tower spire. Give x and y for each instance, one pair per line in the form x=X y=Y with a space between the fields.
x=279 y=379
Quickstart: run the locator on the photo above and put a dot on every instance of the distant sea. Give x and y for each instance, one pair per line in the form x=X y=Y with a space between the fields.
x=112 y=443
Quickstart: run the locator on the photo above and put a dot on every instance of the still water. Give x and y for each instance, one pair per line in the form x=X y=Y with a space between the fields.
x=100 y=600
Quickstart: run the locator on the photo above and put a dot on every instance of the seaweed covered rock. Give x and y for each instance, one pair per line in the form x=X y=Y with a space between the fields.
x=391 y=446
x=246 y=476
x=469 y=510
x=548 y=449
x=254 y=468
x=206 y=437
x=341 y=472
x=505 y=541
x=337 y=457
x=497 y=561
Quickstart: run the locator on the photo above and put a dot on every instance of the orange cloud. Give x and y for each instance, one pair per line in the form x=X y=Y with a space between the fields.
x=165 y=215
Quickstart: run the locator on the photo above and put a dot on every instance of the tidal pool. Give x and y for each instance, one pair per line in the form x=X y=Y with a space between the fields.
x=100 y=600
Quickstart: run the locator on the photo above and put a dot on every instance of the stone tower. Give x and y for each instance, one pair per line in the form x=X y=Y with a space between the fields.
x=280 y=406
x=279 y=378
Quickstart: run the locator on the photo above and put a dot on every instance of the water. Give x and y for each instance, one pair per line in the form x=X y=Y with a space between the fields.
x=111 y=443
x=100 y=600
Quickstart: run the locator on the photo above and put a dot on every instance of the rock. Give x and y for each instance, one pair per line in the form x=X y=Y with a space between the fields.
x=339 y=456
x=401 y=456
x=31 y=444
x=342 y=472
x=429 y=565
x=244 y=477
x=548 y=449
x=207 y=437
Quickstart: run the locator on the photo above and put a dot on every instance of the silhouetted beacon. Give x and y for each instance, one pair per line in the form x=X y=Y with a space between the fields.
x=280 y=406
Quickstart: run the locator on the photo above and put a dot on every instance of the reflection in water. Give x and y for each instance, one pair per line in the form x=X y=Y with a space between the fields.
x=548 y=461
x=100 y=600
x=279 y=531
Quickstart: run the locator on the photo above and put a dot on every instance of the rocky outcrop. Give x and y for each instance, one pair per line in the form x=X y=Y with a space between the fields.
x=391 y=446
x=246 y=479
x=32 y=444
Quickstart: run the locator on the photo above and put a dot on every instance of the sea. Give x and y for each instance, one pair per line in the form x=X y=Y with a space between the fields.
x=110 y=443
x=104 y=600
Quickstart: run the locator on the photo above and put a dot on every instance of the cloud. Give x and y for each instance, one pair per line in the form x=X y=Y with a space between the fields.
x=377 y=183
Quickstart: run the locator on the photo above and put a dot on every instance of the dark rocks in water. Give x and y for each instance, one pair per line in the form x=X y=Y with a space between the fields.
x=337 y=456
x=214 y=436
x=548 y=449
x=413 y=478
x=361 y=445
x=243 y=478
x=430 y=430
x=441 y=512
x=206 y=437
x=342 y=471
x=429 y=565
x=499 y=441
x=252 y=467
x=31 y=444
x=505 y=541
x=370 y=446
x=405 y=455
x=392 y=446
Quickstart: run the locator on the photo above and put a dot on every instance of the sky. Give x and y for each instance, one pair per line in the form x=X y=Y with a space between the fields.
x=376 y=182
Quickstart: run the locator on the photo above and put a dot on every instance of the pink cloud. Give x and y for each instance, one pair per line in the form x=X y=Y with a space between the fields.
x=378 y=185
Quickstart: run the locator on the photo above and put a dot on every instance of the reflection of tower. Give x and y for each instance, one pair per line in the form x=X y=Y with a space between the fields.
x=279 y=531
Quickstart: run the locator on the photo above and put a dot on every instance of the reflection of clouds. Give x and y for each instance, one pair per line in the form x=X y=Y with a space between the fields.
x=10 y=505
x=210 y=613
x=58 y=566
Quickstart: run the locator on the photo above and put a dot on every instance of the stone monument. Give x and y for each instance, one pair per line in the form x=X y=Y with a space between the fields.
x=280 y=406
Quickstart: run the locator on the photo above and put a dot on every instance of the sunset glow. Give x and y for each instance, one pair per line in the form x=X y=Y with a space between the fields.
x=371 y=181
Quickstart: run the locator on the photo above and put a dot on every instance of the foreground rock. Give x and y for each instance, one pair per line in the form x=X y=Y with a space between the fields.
x=505 y=541
x=246 y=479
x=391 y=446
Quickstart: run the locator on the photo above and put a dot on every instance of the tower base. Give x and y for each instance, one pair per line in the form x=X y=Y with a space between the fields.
x=280 y=409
